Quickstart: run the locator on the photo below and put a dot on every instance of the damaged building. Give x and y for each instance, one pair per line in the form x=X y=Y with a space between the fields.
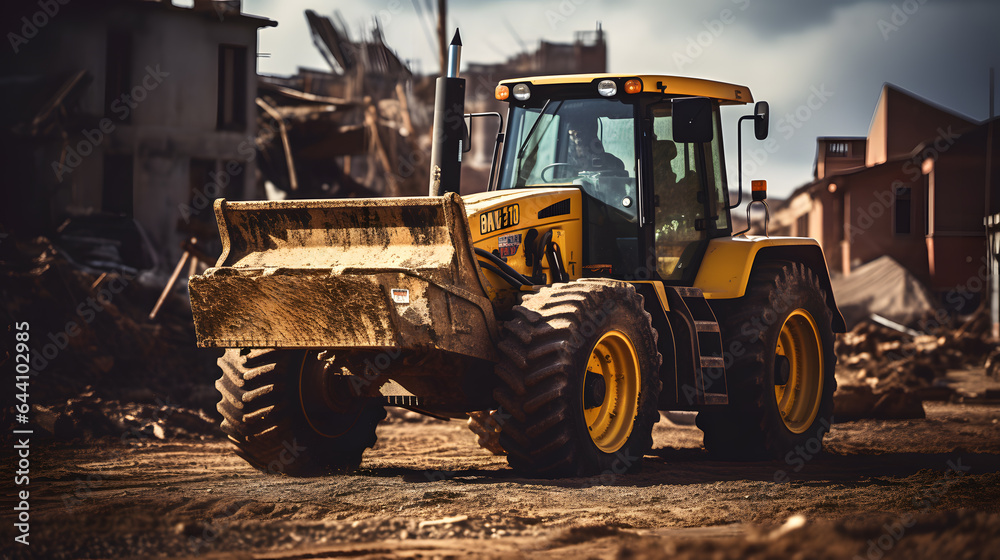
x=353 y=130
x=126 y=114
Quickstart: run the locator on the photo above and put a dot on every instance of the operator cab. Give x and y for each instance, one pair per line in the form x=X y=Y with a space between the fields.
x=653 y=194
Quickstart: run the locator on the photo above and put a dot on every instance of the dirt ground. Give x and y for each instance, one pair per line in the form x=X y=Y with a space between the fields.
x=906 y=489
x=133 y=464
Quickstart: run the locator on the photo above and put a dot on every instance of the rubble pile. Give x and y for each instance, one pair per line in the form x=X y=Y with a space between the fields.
x=91 y=341
x=886 y=372
x=132 y=422
x=884 y=357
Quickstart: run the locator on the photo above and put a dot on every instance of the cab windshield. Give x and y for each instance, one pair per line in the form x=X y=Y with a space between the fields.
x=585 y=142
x=589 y=144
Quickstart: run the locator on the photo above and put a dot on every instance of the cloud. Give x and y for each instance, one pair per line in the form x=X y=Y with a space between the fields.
x=781 y=49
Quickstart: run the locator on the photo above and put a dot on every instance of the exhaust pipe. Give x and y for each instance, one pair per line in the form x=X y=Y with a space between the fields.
x=454 y=55
x=449 y=126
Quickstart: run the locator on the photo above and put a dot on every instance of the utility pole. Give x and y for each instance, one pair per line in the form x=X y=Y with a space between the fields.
x=443 y=35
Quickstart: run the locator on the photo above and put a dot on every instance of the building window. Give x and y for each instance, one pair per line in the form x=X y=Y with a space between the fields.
x=232 y=105
x=902 y=210
x=209 y=180
x=116 y=194
x=202 y=194
x=117 y=75
x=837 y=149
x=802 y=225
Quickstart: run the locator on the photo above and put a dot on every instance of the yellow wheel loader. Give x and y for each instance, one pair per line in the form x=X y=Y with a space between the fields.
x=596 y=282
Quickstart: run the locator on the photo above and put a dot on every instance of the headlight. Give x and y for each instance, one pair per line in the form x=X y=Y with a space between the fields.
x=607 y=88
x=521 y=92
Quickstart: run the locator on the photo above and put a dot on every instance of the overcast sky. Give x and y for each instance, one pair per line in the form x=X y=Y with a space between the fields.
x=825 y=61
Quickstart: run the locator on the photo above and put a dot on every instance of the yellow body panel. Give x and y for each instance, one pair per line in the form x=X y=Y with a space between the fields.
x=728 y=94
x=507 y=215
x=725 y=269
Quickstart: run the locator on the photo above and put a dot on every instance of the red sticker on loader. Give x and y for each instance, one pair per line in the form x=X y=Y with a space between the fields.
x=509 y=244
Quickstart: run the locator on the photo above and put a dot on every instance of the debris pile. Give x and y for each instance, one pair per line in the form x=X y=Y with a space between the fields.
x=131 y=422
x=886 y=370
x=885 y=287
x=890 y=358
x=357 y=130
x=91 y=341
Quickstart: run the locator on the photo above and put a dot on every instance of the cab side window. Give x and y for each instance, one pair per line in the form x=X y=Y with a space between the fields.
x=678 y=208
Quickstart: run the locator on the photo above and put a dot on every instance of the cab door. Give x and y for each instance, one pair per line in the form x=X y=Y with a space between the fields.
x=686 y=194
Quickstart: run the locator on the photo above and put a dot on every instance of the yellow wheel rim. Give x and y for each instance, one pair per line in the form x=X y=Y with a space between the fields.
x=610 y=419
x=799 y=399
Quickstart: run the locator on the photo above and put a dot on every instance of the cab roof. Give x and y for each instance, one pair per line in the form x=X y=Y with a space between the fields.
x=727 y=94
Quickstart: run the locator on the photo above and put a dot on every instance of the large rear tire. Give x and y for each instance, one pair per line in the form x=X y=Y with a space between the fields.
x=580 y=380
x=282 y=411
x=779 y=339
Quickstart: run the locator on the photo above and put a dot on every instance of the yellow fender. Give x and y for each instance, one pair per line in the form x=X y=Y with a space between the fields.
x=725 y=269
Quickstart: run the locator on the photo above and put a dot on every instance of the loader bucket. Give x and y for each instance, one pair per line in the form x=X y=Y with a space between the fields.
x=345 y=274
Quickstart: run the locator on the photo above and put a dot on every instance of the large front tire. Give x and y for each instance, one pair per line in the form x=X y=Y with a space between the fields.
x=781 y=377
x=277 y=411
x=580 y=380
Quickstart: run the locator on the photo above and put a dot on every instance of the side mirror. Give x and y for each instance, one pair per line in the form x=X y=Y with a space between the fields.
x=761 y=119
x=467 y=138
x=692 y=118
